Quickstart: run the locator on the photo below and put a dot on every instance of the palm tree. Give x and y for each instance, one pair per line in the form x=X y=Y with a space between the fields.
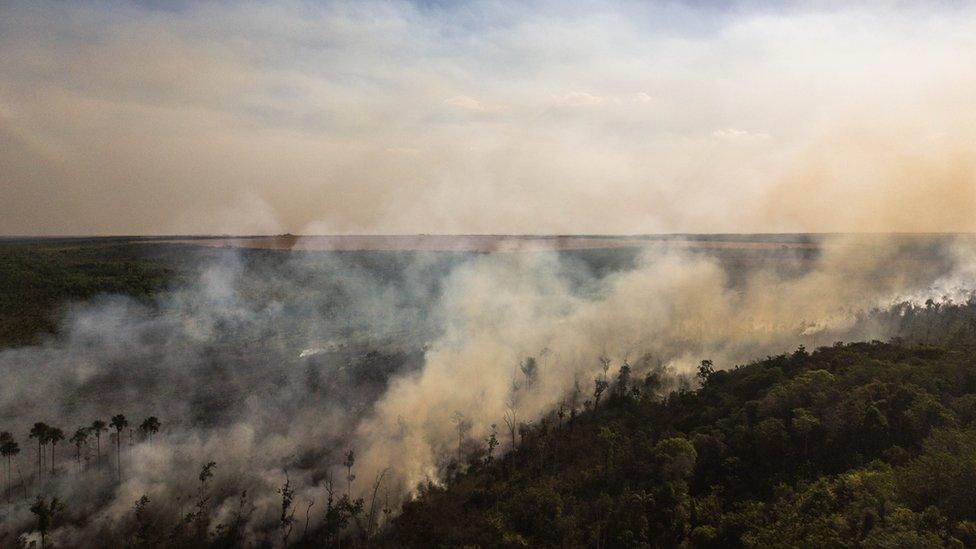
x=8 y=449
x=54 y=436
x=79 y=438
x=39 y=431
x=120 y=423
x=150 y=427
x=98 y=427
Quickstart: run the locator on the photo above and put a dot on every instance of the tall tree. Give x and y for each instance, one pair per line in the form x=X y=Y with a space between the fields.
x=350 y=461
x=119 y=423
x=8 y=449
x=599 y=386
x=45 y=513
x=530 y=370
x=623 y=380
x=492 y=443
x=706 y=369
x=370 y=521
x=98 y=427
x=144 y=526
x=149 y=427
x=287 y=520
x=201 y=517
x=511 y=409
x=511 y=418
x=54 y=436
x=462 y=425
x=39 y=431
x=80 y=438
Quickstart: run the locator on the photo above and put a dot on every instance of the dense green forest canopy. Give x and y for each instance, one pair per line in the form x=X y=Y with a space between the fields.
x=861 y=444
x=39 y=277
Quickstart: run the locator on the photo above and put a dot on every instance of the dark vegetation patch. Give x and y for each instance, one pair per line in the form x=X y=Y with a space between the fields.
x=41 y=277
x=863 y=444
x=38 y=278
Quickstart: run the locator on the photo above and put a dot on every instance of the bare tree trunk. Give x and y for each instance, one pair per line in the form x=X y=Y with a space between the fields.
x=372 y=503
x=23 y=483
x=349 y=481
x=307 y=511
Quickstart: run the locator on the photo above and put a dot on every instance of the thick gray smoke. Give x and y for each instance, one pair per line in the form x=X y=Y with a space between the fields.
x=262 y=363
x=272 y=361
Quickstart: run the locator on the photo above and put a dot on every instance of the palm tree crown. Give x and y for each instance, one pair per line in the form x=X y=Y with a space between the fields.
x=150 y=426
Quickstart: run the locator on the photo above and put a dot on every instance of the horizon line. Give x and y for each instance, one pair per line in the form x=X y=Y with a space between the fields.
x=478 y=235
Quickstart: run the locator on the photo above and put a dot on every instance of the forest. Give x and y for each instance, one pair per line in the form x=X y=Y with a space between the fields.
x=846 y=444
x=294 y=274
x=869 y=444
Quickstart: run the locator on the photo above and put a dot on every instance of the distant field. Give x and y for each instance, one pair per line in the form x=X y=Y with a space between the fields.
x=39 y=277
x=497 y=243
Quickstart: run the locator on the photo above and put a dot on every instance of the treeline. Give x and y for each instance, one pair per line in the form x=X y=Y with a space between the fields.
x=864 y=444
x=189 y=519
x=38 y=278
x=937 y=322
x=47 y=437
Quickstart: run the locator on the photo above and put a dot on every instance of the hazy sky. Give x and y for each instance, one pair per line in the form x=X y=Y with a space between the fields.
x=486 y=117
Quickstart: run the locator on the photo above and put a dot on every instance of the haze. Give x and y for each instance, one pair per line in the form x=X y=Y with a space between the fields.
x=491 y=117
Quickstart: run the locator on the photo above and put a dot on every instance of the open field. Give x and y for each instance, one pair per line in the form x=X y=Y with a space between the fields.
x=500 y=243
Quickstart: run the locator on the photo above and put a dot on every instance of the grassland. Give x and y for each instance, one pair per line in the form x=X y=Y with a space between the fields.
x=39 y=277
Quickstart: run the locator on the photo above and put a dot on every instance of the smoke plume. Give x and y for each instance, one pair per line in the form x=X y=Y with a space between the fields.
x=273 y=360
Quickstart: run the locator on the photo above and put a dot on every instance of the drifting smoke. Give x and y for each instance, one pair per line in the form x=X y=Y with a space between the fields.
x=266 y=364
x=673 y=307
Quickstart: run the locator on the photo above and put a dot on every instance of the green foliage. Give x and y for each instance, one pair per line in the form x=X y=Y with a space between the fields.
x=150 y=426
x=39 y=277
x=145 y=529
x=338 y=512
x=865 y=444
x=46 y=512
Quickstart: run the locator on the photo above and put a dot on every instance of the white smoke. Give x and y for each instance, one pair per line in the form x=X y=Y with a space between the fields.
x=264 y=364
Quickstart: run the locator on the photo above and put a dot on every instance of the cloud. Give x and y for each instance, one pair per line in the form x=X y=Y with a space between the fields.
x=543 y=118
x=467 y=103
x=582 y=99
x=733 y=134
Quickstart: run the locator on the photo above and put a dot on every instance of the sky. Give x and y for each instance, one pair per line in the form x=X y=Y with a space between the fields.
x=486 y=117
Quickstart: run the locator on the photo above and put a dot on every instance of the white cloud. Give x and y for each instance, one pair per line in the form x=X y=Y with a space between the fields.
x=734 y=134
x=577 y=99
x=464 y=102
